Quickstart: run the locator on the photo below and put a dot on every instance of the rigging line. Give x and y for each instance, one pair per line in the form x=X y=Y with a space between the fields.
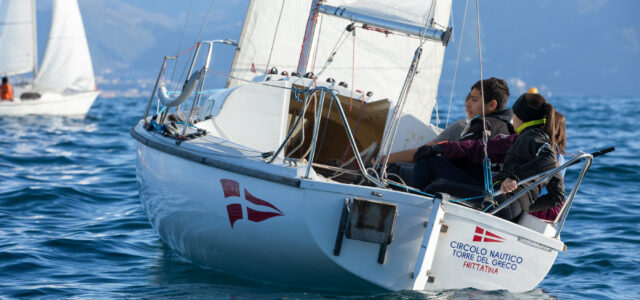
x=353 y=72
x=275 y=34
x=455 y=71
x=484 y=122
x=432 y=10
x=184 y=31
x=205 y=20
x=339 y=43
x=355 y=131
x=391 y=130
x=427 y=22
x=316 y=107
x=326 y=126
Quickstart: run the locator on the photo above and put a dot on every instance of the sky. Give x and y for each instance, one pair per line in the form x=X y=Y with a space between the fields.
x=571 y=47
x=576 y=47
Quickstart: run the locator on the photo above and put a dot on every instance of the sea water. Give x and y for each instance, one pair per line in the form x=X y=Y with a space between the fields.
x=71 y=223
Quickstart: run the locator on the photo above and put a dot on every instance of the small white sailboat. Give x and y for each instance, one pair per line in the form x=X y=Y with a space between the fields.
x=65 y=83
x=243 y=180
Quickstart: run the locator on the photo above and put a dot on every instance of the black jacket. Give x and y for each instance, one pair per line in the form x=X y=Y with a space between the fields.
x=498 y=122
x=529 y=155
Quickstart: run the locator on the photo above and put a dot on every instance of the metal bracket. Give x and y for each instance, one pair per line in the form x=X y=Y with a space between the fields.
x=426 y=254
x=342 y=227
x=367 y=221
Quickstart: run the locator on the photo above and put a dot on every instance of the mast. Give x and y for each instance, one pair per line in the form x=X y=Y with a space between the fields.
x=35 y=38
x=308 y=37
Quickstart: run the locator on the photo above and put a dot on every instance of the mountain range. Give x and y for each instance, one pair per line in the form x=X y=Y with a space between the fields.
x=581 y=47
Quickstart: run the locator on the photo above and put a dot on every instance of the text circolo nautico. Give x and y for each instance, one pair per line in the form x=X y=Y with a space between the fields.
x=496 y=255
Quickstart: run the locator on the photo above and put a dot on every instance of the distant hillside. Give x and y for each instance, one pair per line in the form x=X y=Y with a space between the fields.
x=587 y=47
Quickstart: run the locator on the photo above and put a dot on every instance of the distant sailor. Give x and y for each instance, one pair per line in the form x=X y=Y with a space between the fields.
x=6 y=90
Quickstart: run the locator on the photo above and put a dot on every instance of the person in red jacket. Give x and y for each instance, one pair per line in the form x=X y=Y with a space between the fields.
x=6 y=90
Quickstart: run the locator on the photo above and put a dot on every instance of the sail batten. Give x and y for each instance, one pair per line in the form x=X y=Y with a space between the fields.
x=67 y=62
x=17 y=45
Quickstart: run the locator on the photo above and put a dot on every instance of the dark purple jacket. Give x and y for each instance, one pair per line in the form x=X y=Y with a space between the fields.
x=473 y=150
x=497 y=147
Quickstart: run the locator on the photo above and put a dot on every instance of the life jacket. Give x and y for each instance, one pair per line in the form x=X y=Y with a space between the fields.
x=6 y=92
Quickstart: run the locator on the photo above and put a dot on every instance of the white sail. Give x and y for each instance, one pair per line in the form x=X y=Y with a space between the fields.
x=260 y=44
x=17 y=37
x=67 y=62
x=415 y=12
x=372 y=61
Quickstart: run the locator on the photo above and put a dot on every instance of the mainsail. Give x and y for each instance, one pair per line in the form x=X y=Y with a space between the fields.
x=372 y=61
x=17 y=37
x=67 y=62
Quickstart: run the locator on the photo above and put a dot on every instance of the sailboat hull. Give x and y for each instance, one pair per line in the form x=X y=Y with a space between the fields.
x=76 y=104
x=284 y=231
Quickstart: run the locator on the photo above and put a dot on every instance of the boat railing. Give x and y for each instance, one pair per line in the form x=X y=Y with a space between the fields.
x=541 y=178
x=316 y=127
x=188 y=92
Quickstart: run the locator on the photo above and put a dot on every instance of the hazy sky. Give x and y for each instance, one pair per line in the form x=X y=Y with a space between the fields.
x=586 y=47
x=589 y=47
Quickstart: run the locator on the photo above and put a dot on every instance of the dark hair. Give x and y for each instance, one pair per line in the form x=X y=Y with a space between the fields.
x=535 y=103
x=5 y=79
x=494 y=89
x=561 y=134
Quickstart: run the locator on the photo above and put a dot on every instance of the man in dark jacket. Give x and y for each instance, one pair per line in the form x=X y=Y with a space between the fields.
x=497 y=119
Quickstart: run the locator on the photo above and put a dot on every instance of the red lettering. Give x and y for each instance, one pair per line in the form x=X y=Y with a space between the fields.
x=479 y=267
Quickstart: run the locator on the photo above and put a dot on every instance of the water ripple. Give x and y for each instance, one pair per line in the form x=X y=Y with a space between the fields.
x=73 y=227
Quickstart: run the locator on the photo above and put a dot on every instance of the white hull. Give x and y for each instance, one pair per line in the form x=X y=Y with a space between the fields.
x=76 y=104
x=291 y=239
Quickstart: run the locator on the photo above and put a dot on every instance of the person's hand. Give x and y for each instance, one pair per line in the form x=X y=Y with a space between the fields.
x=508 y=185
x=426 y=151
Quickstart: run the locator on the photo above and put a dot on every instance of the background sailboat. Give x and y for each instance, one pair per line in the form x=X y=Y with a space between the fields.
x=65 y=83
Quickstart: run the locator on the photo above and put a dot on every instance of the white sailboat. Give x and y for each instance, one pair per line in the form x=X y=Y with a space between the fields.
x=247 y=186
x=65 y=83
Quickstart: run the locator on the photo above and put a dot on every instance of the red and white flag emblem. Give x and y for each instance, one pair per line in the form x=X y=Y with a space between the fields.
x=483 y=235
x=231 y=188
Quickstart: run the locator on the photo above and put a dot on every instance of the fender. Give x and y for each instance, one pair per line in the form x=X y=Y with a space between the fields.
x=187 y=90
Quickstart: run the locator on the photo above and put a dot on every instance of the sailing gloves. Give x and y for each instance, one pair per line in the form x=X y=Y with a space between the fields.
x=428 y=150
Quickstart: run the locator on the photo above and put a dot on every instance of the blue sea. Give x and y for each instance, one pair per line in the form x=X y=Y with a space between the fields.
x=71 y=223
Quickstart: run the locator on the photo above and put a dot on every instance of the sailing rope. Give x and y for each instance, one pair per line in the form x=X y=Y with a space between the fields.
x=433 y=23
x=455 y=71
x=275 y=34
x=353 y=76
x=486 y=163
x=204 y=21
x=339 y=43
x=184 y=31
x=390 y=133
